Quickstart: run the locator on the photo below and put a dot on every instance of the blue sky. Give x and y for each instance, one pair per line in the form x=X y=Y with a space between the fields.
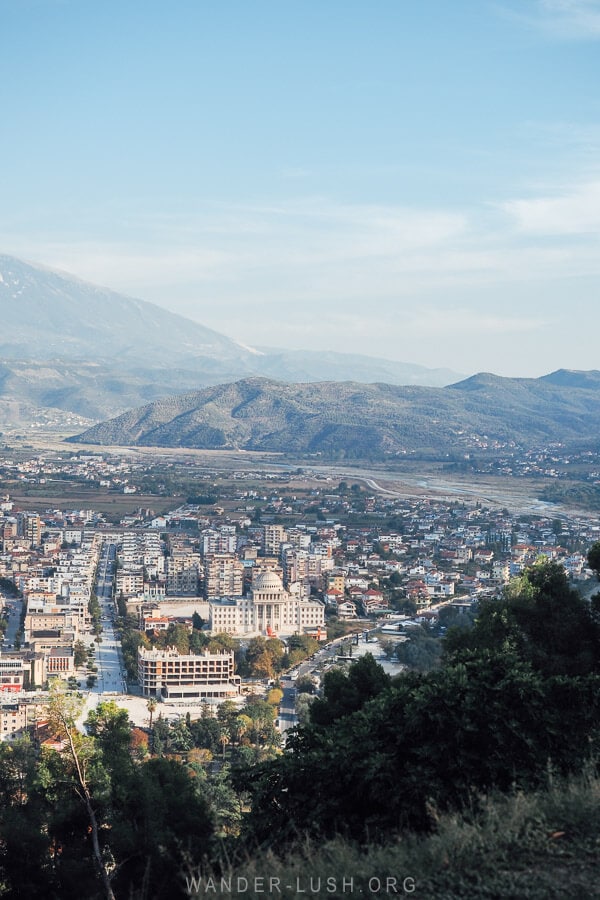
x=412 y=179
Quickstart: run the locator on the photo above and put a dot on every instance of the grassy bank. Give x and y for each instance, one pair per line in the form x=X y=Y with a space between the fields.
x=534 y=846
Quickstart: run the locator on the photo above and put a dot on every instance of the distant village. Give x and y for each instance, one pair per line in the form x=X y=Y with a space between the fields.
x=271 y=561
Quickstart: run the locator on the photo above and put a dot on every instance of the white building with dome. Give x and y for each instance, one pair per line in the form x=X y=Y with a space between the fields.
x=270 y=610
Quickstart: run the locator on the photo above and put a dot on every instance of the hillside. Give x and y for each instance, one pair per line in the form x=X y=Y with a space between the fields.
x=52 y=315
x=73 y=346
x=85 y=388
x=359 y=420
x=532 y=845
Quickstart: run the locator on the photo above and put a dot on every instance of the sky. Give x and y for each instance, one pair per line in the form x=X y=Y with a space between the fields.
x=417 y=180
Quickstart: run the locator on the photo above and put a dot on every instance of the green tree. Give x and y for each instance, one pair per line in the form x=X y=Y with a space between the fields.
x=224 y=738
x=239 y=726
x=222 y=641
x=163 y=823
x=180 y=737
x=542 y=619
x=421 y=651
x=303 y=704
x=346 y=692
x=593 y=558
x=425 y=742
x=8 y=587
x=304 y=642
x=79 y=753
x=79 y=654
x=227 y=711
x=262 y=716
x=198 y=641
x=176 y=635
x=111 y=728
x=205 y=733
x=306 y=685
x=151 y=707
x=224 y=801
x=24 y=832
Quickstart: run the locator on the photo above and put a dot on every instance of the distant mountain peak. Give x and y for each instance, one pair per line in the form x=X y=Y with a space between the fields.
x=480 y=381
x=47 y=313
x=142 y=350
x=573 y=378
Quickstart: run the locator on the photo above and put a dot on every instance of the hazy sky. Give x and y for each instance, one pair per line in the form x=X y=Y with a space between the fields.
x=413 y=179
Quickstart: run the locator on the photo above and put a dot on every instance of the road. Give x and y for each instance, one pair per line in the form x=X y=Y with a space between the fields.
x=12 y=607
x=12 y=610
x=287 y=708
x=514 y=494
x=111 y=678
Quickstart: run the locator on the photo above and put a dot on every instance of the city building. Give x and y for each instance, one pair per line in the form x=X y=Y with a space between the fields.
x=269 y=610
x=273 y=537
x=173 y=675
x=223 y=576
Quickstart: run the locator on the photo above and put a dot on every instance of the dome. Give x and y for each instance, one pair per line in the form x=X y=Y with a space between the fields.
x=267 y=581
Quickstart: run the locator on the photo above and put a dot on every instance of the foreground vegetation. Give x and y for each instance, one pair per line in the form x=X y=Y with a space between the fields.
x=518 y=846
x=475 y=779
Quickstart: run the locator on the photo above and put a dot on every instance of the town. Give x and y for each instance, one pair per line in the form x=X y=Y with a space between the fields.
x=236 y=589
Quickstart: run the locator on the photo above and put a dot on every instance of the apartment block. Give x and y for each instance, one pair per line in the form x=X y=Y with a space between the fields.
x=174 y=675
x=273 y=537
x=223 y=576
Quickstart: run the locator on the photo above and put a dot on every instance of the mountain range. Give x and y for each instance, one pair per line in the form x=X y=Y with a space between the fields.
x=352 y=420
x=69 y=345
x=73 y=353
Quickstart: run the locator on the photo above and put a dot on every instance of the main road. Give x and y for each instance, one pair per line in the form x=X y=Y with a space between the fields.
x=13 y=607
x=111 y=678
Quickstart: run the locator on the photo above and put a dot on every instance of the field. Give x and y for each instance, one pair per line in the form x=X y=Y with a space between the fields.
x=111 y=505
x=200 y=471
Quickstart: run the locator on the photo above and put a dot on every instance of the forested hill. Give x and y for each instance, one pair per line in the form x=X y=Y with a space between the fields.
x=366 y=420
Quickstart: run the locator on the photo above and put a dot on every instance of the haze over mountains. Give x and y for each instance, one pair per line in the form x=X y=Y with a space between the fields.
x=69 y=345
x=72 y=349
x=351 y=420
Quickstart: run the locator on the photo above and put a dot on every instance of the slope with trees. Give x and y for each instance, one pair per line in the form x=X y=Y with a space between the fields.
x=517 y=694
x=351 y=420
x=108 y=813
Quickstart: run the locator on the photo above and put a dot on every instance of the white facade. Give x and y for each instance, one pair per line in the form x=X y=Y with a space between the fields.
x=269 y=610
